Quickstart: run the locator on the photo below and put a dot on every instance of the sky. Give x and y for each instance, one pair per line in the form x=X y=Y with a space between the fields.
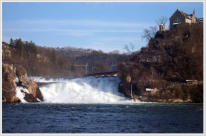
x=105 y=26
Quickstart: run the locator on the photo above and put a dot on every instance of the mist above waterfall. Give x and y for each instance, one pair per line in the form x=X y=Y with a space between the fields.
x=82 y=90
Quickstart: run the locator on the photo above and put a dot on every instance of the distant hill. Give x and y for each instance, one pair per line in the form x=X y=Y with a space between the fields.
x=68 y=61
x=97 y=61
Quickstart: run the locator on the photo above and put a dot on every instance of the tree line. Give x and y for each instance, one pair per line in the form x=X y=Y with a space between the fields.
x=170 y=59
x=46 y=61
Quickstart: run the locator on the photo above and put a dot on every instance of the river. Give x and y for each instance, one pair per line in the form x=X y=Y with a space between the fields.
x=102 y=118
x=93 y=105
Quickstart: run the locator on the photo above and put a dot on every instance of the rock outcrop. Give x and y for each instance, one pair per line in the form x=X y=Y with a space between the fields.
x=8 y=83
x=169 y=63
x=16 y=77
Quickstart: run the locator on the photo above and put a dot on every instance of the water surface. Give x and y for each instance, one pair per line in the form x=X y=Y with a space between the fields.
x=102 y=118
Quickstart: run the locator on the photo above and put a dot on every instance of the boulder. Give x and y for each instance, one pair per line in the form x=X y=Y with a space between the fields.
x=17 y=76
x=8 y=83
x=30 y=98
x=33 y=88
x=21 y=75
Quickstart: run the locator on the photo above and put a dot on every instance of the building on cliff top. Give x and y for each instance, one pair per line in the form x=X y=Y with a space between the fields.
x=162 y=27
x=180 y=17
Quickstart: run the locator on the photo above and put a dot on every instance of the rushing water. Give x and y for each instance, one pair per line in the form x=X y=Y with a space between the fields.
x=102 y=118
x=82 y=90
x=94 y=105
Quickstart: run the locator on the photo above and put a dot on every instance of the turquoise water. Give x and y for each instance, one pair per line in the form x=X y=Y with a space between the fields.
x=102 y=118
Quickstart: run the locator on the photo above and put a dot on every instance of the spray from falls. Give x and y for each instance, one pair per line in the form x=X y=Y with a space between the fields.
x=83 y=90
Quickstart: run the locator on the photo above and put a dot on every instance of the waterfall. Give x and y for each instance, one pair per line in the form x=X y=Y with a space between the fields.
x=82 y=90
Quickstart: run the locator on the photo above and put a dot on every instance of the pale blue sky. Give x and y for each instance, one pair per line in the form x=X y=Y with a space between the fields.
x=98 y=25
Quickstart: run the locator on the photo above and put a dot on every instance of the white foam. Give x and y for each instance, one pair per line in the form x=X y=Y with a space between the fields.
x=20 y=93
x=43 y=79
x=84 y=90
x=17 y=80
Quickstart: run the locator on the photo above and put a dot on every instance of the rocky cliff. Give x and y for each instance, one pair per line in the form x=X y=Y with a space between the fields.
x=16 y=87
x=169 y=69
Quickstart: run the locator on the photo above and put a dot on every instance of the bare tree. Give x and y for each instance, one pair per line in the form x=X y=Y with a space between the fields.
x=150 y=32
x=115 y=52
x=129 y=48
x=162 y=20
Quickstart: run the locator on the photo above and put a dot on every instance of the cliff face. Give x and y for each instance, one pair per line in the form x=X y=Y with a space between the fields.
x=14 y=79
x=9 y=84
x=169 y=69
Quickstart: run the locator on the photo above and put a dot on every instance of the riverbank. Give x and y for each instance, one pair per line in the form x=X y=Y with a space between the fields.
x=163 y=91
x=169 y=69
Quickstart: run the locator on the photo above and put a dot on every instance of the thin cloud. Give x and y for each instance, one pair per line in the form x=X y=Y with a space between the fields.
x=73 y=32
x=104 y=34
x=70 y=30
x=73 y=27
x=96 y=23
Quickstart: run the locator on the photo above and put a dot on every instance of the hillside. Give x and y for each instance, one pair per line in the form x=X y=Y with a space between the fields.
x=97 y=61
x=170 y=68
x=59 y=62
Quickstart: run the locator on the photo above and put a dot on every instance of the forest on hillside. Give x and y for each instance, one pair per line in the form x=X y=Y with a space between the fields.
x=171 y=58
x=59 y=62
